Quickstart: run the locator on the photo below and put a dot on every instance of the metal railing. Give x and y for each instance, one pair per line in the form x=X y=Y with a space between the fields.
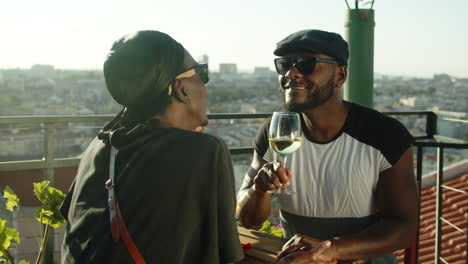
x=429 y=139
x=420 y=145
x=48 y=162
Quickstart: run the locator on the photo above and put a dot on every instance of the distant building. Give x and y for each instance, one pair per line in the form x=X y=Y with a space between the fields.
x=419 y=102
x=228 y=71
x=263 y=72
x=383 y=100
x=44 y=71
x=442 y=77
x=228 y=68
x=247 y=108
x=203 y=59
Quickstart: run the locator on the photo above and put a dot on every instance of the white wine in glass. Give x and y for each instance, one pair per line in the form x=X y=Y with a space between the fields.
x=285 y=146
x=284 y=137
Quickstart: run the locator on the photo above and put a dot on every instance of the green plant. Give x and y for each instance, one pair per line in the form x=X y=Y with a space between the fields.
x=268 y=228
x=48 y=214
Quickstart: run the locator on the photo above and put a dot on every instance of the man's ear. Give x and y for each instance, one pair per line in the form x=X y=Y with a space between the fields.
x=180 y=91
x=342 y=74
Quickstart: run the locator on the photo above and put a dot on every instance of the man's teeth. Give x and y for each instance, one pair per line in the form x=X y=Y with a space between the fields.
x=298 y=87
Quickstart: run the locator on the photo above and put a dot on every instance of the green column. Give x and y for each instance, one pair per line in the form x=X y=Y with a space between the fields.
x=359 y=33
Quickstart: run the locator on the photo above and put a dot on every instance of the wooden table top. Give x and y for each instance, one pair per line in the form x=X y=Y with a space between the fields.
x=264 y=247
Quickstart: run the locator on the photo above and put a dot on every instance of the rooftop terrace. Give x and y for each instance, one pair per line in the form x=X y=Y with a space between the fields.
x=443 y=228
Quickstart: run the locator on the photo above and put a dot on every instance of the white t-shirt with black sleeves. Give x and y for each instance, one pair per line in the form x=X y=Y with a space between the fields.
x=338 y=178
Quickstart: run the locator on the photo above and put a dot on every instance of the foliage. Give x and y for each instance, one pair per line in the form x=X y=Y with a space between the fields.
x=51 y=200
x=268 y=228
x=9 y=238
x=12 y=199
x=48 y=213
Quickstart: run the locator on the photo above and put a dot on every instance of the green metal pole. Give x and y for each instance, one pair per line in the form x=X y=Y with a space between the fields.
x=359 y=32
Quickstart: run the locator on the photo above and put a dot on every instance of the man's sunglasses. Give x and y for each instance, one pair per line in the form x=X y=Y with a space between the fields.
x=202 y=69
x=305 y=65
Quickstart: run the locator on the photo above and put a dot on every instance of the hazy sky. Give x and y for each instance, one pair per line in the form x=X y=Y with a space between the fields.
x=416 y=37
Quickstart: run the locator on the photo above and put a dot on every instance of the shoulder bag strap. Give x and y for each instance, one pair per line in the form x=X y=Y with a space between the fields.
x=118 y=227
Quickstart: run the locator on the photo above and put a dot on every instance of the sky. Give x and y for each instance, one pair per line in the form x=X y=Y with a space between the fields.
x=417 y=38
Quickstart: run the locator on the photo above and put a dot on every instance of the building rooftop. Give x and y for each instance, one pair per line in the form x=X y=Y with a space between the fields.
x=455 y=210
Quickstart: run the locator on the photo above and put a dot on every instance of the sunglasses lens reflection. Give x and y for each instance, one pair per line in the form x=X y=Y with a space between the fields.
x=202 y=70
x=204 y=74
x=283 y=65
x=305 y=65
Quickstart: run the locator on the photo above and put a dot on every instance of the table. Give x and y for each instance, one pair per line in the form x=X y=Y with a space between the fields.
x=264 y=247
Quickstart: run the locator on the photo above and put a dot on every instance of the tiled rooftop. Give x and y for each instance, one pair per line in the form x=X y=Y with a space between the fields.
x=455 y=210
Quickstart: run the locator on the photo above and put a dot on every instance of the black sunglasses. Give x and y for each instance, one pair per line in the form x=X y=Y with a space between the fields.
x=305 y=64
x=202 y=69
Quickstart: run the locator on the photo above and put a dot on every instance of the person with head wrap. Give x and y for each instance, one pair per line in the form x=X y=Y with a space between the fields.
x=174 y=185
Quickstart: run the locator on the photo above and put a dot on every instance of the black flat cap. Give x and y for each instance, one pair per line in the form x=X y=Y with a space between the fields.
x=317 y=41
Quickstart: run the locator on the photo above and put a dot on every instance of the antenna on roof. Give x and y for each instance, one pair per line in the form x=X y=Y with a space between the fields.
x=356 y=3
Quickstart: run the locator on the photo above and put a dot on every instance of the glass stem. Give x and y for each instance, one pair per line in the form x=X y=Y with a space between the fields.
x=284 y=158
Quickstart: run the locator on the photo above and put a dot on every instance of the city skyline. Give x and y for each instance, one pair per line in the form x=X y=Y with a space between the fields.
x=420 y=38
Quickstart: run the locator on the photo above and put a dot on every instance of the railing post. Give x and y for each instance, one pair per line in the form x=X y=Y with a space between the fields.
x=49 y=145
x=49 y=149
x=419 y=162
x=439 y=200
x=431 y=124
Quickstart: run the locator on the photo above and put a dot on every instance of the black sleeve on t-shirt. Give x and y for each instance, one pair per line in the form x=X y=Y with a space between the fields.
x=261 y=140
x=397 y=140
x=380 y=131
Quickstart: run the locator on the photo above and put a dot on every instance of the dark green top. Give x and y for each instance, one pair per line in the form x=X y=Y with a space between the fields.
x=177 y=199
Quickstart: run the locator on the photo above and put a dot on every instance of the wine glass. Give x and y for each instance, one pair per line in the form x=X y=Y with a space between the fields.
x=285 y=137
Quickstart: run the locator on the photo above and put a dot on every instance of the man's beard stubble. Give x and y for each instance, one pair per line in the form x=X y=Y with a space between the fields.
x=315 y=97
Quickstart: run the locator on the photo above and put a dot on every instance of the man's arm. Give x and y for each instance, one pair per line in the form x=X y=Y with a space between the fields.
x=253 y=199
x=254 y=203
x=397 y=201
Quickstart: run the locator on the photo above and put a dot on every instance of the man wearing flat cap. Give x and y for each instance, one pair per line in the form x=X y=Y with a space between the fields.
x=353 y=174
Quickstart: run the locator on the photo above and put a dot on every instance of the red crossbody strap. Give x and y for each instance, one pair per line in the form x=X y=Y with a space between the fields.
x=118 y=227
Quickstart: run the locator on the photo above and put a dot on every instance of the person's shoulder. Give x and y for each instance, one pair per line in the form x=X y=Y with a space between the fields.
x=200 y=137
x=193 y=140
x=364 y=111
x=372 y=120
x=380 y=131
x=261 y=139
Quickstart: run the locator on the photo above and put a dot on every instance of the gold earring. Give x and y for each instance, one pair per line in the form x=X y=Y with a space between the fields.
x=169 y=90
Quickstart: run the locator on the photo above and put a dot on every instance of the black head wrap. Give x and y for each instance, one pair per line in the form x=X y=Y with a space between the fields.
x=138 y=71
